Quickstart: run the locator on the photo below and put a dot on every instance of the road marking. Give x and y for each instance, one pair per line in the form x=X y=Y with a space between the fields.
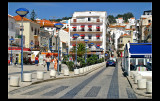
x=55 y=91
x=93 y=92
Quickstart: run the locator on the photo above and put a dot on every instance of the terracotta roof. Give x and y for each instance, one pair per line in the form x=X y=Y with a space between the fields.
x=18 y=18
x=124 y=35
x=67 y=29
x=10 y=16
x=46 y=23
x=113 y=26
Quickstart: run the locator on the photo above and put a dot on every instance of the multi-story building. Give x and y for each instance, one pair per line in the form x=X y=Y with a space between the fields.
x=89 y=25
x=122 y=41
x=30 y=30
x=145 y=20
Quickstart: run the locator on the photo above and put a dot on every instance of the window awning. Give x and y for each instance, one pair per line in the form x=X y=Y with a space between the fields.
x=82 y=26
x=140 y=50
x=19 y=48
x=90 y=26
x=82 y=35
x=98 y=27
x=97 y=35
x=74 y=27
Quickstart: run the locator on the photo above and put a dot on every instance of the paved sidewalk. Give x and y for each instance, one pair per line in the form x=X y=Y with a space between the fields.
x=16 y=71
x=135 y=87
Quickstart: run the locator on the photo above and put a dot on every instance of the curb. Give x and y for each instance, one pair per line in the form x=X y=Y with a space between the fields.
x=134 y=89
x=46 y=80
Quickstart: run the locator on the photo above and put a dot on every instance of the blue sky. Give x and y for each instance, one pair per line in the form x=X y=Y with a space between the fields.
x=62 y=9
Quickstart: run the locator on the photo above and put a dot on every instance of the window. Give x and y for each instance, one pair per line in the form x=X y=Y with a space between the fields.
x=149 y=21
x=89 y=19
x=32 y=29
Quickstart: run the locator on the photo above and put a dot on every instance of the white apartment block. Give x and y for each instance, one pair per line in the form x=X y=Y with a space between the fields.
x=89 y=25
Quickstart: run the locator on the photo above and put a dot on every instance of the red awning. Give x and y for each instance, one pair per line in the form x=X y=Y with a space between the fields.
x=19 y=48
x=82 y=25
x=97 y=35
x=73 y=37
x=74 y=27
x=82 y=35
x=89 y=26
x=97 y=27
x=98 y=45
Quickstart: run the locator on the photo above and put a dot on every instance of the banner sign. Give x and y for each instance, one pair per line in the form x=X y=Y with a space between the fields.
x=32 y=57
x=41 y=59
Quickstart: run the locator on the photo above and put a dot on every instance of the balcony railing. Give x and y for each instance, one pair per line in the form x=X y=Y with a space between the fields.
x=93 y=39
x=86 y=21
x=86 y=30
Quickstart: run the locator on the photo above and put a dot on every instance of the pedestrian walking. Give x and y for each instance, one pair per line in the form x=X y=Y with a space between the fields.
x=48 y=61
x=36 y=60
x=55 y=63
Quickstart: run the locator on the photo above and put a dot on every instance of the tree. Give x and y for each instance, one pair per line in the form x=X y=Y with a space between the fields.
x=126 y=16
x=111 y=19
x=33 y=15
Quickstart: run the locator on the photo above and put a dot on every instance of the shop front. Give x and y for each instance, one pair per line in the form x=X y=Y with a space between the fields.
x=137 y=57
x=16 y=54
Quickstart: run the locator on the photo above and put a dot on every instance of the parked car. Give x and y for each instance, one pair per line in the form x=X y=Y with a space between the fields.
x=110 y=63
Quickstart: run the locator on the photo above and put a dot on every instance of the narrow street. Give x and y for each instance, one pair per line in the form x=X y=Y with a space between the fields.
x=104 y=83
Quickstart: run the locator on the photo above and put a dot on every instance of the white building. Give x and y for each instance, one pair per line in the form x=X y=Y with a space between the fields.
x=89 y=25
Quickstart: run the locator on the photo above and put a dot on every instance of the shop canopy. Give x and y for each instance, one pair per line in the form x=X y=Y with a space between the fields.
x=140 y=50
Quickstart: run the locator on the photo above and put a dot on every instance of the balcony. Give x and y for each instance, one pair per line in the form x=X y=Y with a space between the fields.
x=79 y=40
x=82 y=21
x=85 y=30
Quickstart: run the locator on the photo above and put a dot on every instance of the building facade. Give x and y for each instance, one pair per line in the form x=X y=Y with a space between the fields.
x=89 y=25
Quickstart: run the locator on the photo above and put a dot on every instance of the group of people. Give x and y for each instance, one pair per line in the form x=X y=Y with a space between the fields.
x=48 y=61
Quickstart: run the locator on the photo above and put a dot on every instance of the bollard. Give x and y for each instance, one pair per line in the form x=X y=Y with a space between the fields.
x=40 y=75
x=134 y=74
x=27 y=77
x=52 y=73
x=149 y=87
x=14 y=81
x=66 y=72
x=81 y=70
x=141 y=84
x=137 y=77
x=76 y=71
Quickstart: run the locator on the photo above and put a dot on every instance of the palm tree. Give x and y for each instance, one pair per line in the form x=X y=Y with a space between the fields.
x=80 y=49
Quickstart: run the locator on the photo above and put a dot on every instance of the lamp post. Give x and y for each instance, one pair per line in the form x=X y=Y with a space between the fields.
x=11 y=39
x=76 y=36
x=86 y=41
x=91 y=45
x=58 y=27
x=31 y=45
x=22 y=12
x=102 y=50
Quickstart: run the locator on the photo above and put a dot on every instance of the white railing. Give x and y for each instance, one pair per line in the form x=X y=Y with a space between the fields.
x=86 y=21
x=93 y=39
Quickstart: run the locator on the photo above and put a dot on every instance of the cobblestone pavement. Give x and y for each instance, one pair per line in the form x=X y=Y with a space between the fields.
x=103 y=83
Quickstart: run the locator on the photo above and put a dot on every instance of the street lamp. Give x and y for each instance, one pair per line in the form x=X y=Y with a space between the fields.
x=11 y=39
x=58 y=27
x=86 y=41
x=76 y=36
x=102 y=51
x=22 y=12
x=91 y=45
